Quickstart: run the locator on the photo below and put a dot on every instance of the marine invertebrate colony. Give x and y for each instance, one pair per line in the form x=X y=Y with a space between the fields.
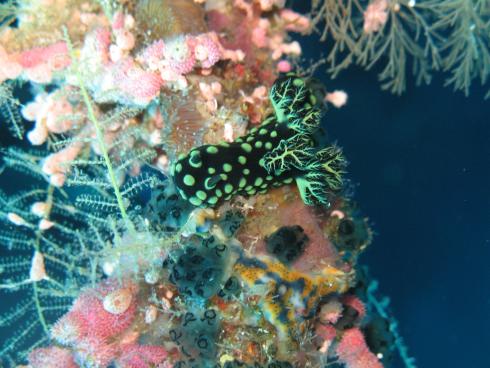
x=186 y=211
x=421 y=37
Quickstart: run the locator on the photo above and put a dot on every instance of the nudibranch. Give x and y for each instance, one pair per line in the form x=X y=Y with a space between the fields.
x=279 y=151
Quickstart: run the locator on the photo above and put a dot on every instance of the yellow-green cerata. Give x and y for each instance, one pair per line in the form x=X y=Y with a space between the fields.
x=280 y=150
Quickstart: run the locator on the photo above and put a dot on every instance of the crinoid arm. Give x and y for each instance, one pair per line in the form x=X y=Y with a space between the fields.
x=290 y=153
x=323 y=176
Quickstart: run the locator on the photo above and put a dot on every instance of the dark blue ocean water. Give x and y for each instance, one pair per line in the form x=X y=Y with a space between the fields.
x=421 y=163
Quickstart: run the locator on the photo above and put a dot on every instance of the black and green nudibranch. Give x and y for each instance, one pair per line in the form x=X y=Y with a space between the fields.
x=279 y=151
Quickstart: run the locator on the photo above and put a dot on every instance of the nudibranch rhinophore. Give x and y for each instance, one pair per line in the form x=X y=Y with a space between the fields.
x=277 y=152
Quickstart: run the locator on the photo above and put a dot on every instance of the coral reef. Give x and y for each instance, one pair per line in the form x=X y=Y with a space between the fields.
x=180 y=207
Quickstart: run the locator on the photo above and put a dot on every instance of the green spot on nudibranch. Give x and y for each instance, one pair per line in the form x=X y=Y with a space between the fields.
x=298 y=82
x=212 y=149
x=218 y=193
x=178 y=167
x=269 y=177
x=258 y=144
x=182 y=193
x=210 y=183
x=246 y=171
x=242 y=160
x=211 y=170
x=268 y=145
x=263 y=131
x=195 y=159
x=228 y=188
x=258 y=182
x=242 y=182
x=246 y=147
x=201 y=195
x=189 y=180
x=195 y=201
x=227 y=167
x=274 y=134
x=288 y=181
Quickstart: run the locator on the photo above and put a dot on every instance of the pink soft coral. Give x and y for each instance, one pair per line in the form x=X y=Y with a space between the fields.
x=9 y=67
x=141 y=356
x=375 y=16
x=152 y=55
x=89 y=316
x=97 y=329
x=51 y=357
x=39 y=63
x=179 y=55
x=353 y=351
x=95 y=352
x=128 y=83
x=295 y=22
x=50 y=112
x=57 y=164
x=207 y=49
x=355 y=303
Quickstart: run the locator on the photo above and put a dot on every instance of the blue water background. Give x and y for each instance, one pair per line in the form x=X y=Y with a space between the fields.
x=421 y=163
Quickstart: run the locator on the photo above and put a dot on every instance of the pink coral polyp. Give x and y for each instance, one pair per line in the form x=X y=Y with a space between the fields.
x=95 y=352
x=375 y=16
x=97 y=321
x=42 y=55
x=51 y=357
x=207 y=50
x=141 y=356
x=353 y=351
x=137 y=85
x=179 y=55
x=89 y=318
